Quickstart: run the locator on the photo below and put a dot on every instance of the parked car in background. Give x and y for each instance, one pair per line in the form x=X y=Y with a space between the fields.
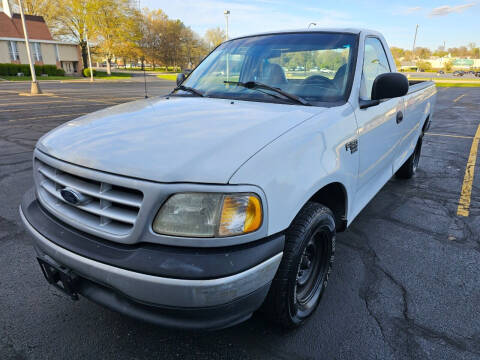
x=458 y=73
x=441 y=72
x=195 y=209
x=477 y=74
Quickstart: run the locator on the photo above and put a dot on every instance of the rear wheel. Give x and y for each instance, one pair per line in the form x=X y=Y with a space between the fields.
x=409 y=168
x=305 y=267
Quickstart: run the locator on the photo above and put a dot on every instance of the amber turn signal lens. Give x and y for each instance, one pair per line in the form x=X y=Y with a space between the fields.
x=241 y=213
x=253 y=219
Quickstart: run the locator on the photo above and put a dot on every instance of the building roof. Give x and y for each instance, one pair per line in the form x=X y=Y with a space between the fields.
x=12 y=27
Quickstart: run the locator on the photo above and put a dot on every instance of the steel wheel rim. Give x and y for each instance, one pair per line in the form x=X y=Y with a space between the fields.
x=312 y=269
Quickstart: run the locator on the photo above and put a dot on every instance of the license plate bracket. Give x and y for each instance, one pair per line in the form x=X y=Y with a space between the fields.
x=60 y=277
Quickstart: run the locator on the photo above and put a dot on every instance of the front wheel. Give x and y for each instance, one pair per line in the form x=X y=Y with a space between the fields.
x=409 y=168
x=306 y=264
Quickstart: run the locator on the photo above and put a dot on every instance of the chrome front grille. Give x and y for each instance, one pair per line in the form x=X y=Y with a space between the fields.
x=110 y=208
x=121 y=208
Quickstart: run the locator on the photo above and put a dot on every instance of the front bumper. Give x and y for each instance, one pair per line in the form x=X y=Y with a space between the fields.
x=165 y=300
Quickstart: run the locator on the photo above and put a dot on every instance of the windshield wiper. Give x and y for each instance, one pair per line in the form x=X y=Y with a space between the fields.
x=257 y=85
x=189 y=89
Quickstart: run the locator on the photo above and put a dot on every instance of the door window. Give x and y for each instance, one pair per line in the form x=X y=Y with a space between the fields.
x=375 y=63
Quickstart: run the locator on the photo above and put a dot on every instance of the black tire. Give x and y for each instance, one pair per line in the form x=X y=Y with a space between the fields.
x=306 y=264
x=409 y=168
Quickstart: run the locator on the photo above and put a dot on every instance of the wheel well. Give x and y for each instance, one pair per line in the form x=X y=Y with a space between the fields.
x=334 y=196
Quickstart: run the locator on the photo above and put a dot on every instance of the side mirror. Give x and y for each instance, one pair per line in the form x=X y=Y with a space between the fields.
x=180 y=78
x=389 y=85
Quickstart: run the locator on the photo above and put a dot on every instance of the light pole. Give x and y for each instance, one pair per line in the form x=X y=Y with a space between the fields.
x=35 y=88
x=89 y=56
x=312 y=23
x=226 y=13
x=414 y=41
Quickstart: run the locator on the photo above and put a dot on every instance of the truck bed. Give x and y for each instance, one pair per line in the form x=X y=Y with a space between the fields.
x=417 y=85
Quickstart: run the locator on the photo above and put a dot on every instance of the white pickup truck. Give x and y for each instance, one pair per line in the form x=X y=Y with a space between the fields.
x=196 y=209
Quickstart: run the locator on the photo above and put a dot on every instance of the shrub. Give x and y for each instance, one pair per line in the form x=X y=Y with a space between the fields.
x=424 y=65
x=13 y=69
x=86 y=72
x=50 y=70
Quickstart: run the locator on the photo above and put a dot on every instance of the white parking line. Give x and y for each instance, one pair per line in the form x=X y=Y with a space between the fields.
x=450 y=135
x=47 y=117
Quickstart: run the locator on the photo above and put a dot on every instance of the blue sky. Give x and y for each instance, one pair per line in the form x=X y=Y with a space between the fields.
x=455 y=22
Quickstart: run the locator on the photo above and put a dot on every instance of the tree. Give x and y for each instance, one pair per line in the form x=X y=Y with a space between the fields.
x=440 y=52
x=422 y=52
x=48 y=9
x=214 y=37
x=397 y=52
x=448 y=66
x=424 y=65
x=407 y=55
x=194 y=48
x=153 y=26
x=170 y=42
x=66 y=19
x=73 y=19
x=459 y=52
x=129 y=47
x=398 y=63
x=114 y=24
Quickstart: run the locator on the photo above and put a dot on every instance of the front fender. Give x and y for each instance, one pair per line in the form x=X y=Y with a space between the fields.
x=291 y=169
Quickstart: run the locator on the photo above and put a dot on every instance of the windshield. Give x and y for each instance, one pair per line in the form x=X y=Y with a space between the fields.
x=316 y=67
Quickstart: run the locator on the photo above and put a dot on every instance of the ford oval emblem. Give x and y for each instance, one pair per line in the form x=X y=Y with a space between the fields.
x=73 y=196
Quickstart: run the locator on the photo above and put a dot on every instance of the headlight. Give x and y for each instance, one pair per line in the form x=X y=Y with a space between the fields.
x=209 y=215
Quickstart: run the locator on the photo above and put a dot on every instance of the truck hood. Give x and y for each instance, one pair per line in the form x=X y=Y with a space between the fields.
x=176 y=139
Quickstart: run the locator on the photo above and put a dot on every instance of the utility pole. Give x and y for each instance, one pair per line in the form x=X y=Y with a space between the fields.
x=414 y=41
x=35 y=88
x=89 y=56
x=85 y=30
x=226 y=13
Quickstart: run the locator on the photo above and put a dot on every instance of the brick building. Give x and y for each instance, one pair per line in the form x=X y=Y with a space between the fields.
x=44 y=49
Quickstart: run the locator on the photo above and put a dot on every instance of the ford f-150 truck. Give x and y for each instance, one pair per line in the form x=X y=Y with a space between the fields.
x=196 y=209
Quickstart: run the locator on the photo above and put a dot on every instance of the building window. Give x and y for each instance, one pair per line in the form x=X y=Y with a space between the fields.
x=57 y=53
x=37 y=51
x=13 y=50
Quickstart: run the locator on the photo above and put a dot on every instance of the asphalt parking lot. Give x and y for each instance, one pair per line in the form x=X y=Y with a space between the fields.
x=405 y=285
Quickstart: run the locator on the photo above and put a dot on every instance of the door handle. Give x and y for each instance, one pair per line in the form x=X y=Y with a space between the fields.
x=399 y=117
